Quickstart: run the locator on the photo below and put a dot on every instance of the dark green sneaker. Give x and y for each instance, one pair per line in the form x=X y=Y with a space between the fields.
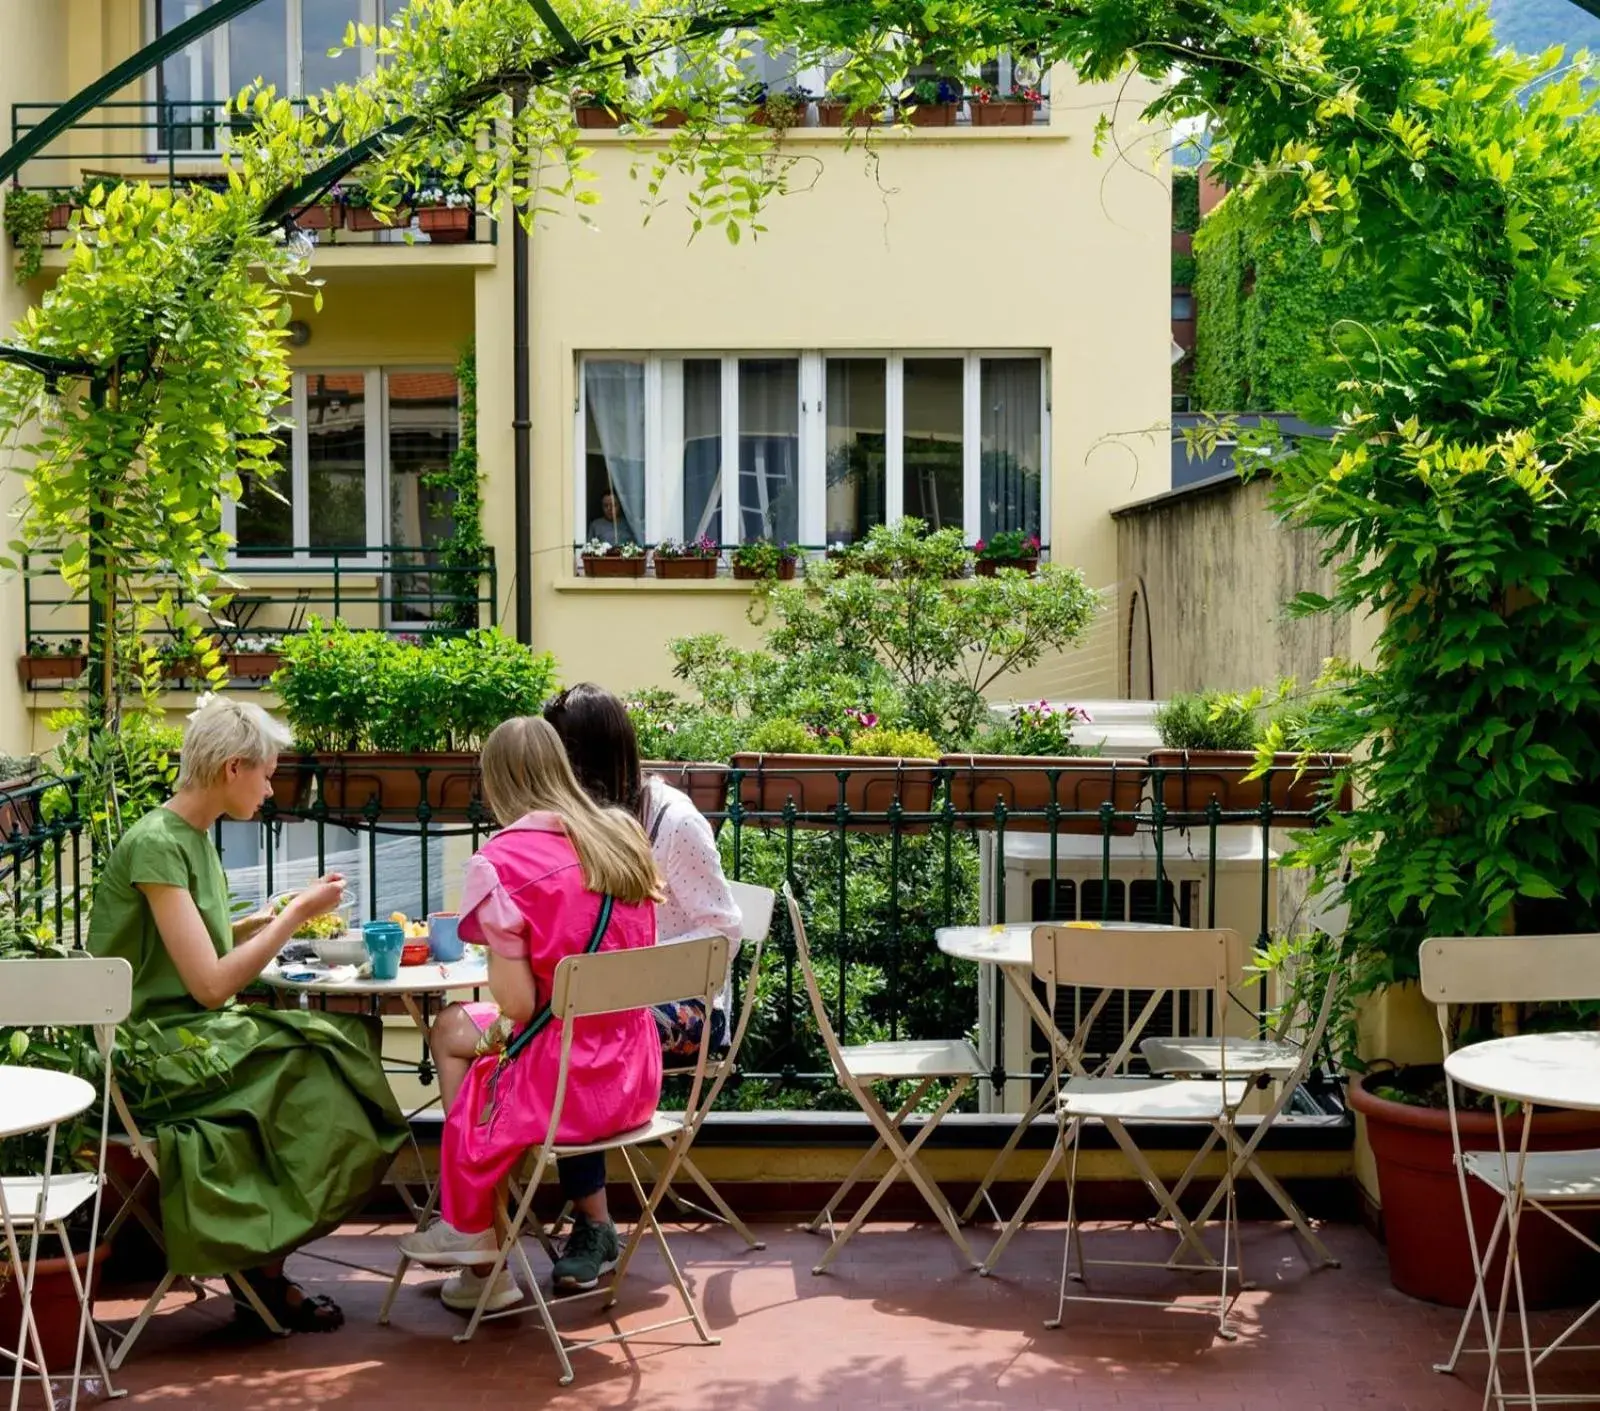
x=591 y=1250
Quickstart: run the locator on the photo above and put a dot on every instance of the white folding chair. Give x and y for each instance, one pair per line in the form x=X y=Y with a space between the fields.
x=1515 y=970
x=1145 y=959
x=1282 y=1060
x=608 y=983
x=755 y=922
x=920 y=1061
x=33 y=994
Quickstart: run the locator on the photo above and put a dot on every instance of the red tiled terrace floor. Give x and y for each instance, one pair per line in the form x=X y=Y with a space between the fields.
x=898 y=1324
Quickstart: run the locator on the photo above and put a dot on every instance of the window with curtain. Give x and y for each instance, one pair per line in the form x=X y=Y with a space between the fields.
x=614 y=444
x=336 y=459
x=933 y=441
x=769 y=449
x=702 y=449
x=1011 y=440
x=423 y=415
x=264 y=518
x=856 y=408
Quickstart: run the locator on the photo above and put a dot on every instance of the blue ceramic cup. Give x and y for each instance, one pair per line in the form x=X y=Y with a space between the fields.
x=444 y=936
x=385 y=940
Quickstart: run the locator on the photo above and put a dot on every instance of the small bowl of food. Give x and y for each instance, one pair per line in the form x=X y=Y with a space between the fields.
x=414 y=953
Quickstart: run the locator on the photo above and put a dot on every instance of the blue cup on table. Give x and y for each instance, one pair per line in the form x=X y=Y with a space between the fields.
x=444 y=936
x=385 y=940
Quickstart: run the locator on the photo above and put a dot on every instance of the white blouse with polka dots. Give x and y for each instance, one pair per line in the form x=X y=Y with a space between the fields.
x=698 y=902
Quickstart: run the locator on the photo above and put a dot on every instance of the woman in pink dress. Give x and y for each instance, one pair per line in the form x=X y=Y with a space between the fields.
x=533 y=896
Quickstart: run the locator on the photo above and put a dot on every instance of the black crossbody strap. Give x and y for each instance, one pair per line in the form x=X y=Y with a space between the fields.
x=541 y=1020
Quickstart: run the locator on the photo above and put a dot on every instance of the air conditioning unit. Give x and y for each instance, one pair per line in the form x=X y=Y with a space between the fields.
x=1074 y=879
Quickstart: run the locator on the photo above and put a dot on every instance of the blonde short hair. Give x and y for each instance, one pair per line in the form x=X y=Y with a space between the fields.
x=223 y=729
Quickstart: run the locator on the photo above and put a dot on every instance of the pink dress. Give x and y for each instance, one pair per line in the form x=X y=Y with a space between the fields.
x=524 y=898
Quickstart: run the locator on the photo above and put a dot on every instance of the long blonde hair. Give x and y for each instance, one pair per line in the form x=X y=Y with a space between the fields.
x=525 y=770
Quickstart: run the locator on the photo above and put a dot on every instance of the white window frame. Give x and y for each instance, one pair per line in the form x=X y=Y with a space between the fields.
x=663 y=435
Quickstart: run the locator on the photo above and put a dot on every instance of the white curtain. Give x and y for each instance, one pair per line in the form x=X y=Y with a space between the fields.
x=1011 y=433
x=614 y=394
x=769 y=449
x=702 y=448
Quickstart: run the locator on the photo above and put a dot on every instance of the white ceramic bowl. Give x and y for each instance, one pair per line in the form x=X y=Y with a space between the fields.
x=348 y=949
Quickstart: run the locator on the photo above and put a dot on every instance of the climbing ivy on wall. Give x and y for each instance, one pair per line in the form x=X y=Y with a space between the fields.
x=1268 y=312
x=465 y=548
x=1185 y=200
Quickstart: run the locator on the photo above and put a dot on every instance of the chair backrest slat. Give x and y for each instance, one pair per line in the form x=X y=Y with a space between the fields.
x=755 y=909
x=612 y=981
x=1510 y=969
x=65 y=991
x=1118 y=959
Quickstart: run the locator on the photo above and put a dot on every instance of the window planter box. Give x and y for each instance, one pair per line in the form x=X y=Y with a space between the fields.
x=33 y=669
x=1192 y=778
x=398 y=784
x=818 y=783
x=17 y=815
x=60 y=217
x=593 y=115
x=987 y=568
x=671 y=117
x=835 y=115
x=322 y=217
x=253 y=664
x=613 y=566
x=446 y=225
x=1003 y=112
x=978 y=783
x=362 y=218
x=705 y=784
x=699 y=567
x=786 y=570
x=932 y=114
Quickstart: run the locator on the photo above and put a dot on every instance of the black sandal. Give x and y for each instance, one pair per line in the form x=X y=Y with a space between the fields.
x=307 y=1313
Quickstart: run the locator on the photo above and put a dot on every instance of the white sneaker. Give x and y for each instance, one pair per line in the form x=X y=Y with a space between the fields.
x=442 y=1246
x=463 y=1290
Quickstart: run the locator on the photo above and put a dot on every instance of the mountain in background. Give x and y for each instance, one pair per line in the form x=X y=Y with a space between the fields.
x=1534 y=25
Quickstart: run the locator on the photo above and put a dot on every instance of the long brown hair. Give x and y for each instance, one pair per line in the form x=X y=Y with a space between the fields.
x=525 y=770
x=601 y=745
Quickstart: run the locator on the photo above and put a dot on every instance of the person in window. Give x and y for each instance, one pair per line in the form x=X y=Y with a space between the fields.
x=272 y=1127
x=610 y=527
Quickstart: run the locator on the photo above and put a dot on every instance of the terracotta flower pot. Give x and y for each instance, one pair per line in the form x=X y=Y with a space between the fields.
x=362 y=218
x=1030 y=783
x=55 y=1305
x=446 y=225
x=320 y=217
x=932 y=114
x=870 y=785
x=399 y=783
x=60 y=217
x=1429 y=1257
x=1003 y=112
x=837 y=115
x=671 y=117
x=1192 y=778
x=593 y=115
x=987 y=568
x=786 y=570
x=33 y=669
x=253 y=664
x=705 y=784
x=613 y=566
x=699 y=567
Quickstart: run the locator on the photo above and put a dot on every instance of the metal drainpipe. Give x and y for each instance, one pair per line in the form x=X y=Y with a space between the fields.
x=520 y=417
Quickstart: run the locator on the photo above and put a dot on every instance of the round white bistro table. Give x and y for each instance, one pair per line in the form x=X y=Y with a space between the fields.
x=1546 y=1070
x=33 y=1100
x=471 y=972
x=1010 y=946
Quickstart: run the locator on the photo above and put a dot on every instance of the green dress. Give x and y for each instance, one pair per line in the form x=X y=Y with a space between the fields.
x=272 y=1126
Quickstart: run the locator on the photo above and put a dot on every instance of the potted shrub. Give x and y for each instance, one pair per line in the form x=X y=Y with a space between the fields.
x=1209 y=751
x=776 y=110
x=1028 y=764
x=603 y=560
x=1010 y=548
x=931 y=102
x=764 y=558
x=696 y=558
x=53 y=659
x=1014 y=109
x=860 y=765
x=388 y=726
x=255 y=656
x=443 y=214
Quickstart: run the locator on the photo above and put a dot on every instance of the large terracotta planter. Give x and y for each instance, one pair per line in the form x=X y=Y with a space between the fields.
x=1030 y=783
x=1192 y=778
x=838 y=115
x=988 y=568
x=613 y=566
x=1001 y=112
x=362 y=218
x=699 y=567
x=34 y=670
x=399 y=783
x=446 y=225
x=785 y=571
x=593 y=115
x=320 y=217
x=55 y=1305
x=932 y=114
x=705 y=784
x=1429 y=1257
x=253 y=664
x=870 y=785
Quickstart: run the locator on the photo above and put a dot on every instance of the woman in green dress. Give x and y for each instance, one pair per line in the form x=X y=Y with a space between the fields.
x=271 y=1126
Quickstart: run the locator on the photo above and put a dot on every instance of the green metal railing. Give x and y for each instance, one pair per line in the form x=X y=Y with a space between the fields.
x=403 y=590
x=178 y=142
x=44 y=862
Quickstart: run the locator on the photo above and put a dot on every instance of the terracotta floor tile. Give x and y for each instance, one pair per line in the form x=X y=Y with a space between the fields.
x=900 y=1324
